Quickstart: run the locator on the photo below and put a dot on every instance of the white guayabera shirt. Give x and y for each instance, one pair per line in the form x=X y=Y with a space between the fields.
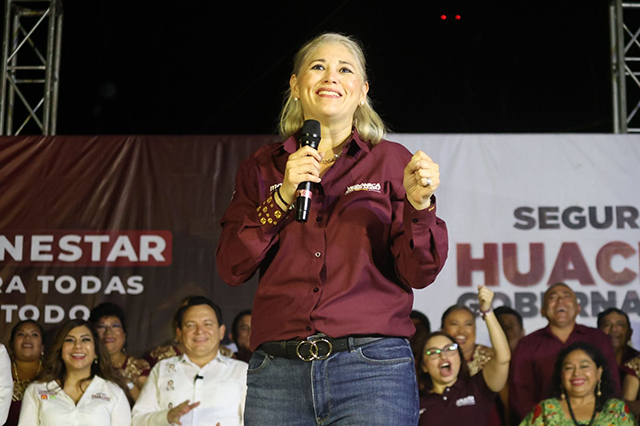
x=102 y=404
x=6 y=384
x=220 y=387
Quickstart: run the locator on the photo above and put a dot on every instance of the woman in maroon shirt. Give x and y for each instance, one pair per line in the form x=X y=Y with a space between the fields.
x=449 y=394
x=330 y=319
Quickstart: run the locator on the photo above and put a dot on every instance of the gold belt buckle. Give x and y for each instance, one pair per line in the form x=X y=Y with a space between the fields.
x=314 y=350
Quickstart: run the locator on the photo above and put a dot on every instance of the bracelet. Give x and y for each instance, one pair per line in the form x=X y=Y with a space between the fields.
x=289 y=206
x=485 y=313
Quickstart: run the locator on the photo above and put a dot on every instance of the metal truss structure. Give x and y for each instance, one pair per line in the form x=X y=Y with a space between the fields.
x=625 y=60
x=29 y=86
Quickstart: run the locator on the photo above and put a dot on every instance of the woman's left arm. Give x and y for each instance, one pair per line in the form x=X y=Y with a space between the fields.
x=420 y=243
x=496 y=371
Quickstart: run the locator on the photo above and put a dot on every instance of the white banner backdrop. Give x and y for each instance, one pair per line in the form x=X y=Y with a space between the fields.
x=526 y=211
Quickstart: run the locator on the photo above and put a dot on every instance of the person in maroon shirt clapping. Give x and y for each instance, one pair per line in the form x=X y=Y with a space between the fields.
x=330 y=318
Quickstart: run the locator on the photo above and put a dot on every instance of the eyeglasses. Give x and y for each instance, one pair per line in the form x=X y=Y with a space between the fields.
x=102 y=328
x=434 y=353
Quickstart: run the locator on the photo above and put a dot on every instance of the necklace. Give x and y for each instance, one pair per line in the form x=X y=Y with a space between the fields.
x=330 y=160
x=15 y=369
x=573 y=416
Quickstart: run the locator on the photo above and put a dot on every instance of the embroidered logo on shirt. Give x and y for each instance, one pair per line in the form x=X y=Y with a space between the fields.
x=375 y=187
x=274 y=187
x=463 y=402
x=47 y=395
x=102 y=396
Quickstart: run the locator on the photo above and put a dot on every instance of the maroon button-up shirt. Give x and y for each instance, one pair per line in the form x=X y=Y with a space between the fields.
x=533 y=362
x=351 y=268
x=468 y=402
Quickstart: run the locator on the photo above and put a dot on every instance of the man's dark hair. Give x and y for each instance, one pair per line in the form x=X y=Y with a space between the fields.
x=505 y=310
x=196 y=301
x=608 y=311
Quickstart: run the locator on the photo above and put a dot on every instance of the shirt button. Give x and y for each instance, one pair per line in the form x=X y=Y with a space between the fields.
x=308 y=328
x=414 y=220
x=318 y=254
x=315 y=290
x=318 y=219
x=444 y=398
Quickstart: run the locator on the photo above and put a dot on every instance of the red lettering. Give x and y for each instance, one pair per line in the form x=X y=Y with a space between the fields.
x=570 y=265
x=603 y=263
x=510 y=264
x=488 y=264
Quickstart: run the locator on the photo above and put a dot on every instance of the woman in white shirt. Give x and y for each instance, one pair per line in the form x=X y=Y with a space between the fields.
x=77 y=386
x=6 y=384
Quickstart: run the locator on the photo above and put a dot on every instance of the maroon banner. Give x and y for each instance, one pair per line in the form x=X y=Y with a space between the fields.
x=132 y=220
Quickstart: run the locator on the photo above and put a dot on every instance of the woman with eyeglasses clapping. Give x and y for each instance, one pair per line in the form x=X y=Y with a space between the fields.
x=448 y=394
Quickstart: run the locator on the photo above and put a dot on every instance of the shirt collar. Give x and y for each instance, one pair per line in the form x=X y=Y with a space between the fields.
x=291 y=144
x=184 y=358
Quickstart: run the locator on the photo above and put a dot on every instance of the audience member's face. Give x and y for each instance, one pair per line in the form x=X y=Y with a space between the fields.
x=27 y=343
x=243 y=335
x=444 y=367
x=111 y=333
x=201 y=333
x=560 y=306
x=512 y=329
x=617 y=327
x=78 y=350
x=461 y=325
x=580 y=375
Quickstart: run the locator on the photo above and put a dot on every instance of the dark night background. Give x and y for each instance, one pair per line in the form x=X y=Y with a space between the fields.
x=208 y=67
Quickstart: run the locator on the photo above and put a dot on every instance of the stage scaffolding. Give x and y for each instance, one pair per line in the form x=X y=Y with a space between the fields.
x=29 y=87
x=625 y=65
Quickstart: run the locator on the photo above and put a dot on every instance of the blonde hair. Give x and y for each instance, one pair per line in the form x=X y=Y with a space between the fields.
x=367 y=122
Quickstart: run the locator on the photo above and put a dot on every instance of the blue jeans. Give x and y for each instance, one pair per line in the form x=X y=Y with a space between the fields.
x=373 y=384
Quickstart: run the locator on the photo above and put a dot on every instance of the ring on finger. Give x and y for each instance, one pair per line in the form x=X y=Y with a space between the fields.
x=429 y=181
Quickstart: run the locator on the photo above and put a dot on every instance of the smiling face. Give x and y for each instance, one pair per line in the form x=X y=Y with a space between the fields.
x=461 y=325
x=443 y=367
x=111 y=333
x=27 y=344
x=580 y=375
x=78 y=350
x=617 y=328
x=560 y=306
x=330 y=84
x=201 y=333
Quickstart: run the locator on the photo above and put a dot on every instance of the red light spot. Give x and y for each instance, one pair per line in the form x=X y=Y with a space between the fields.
x=458 y=17
x=443 y=17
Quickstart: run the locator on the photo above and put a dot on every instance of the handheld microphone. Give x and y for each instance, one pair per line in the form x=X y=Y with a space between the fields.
x=310 y=137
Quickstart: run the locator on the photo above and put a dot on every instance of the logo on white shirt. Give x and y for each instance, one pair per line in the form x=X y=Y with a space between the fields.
x=375 y=187
x=463 y=402
x=47 y=395
x=102 y=396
